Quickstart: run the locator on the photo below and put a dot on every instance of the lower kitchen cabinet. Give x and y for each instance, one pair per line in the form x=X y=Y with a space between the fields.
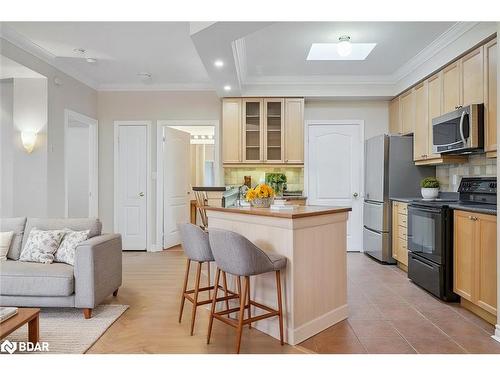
x=399 y=234
x=475 y=265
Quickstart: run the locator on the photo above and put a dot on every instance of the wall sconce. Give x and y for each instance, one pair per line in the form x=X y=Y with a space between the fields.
x=29 y=140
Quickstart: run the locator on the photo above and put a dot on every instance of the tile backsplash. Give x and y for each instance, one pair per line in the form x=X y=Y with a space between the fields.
x=449 y=175
x=235 y=176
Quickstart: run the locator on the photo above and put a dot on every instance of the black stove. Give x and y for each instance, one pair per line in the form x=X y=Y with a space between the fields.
x=430 y=233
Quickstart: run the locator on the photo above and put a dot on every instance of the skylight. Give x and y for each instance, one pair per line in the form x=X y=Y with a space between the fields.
x=330 y=51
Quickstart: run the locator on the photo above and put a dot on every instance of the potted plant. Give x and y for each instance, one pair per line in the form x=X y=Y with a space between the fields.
x=430 y=188
x=261 y=196
x=277 y=181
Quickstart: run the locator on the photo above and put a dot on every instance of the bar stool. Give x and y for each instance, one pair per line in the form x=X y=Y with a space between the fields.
x=236 y=255
x=197 y=249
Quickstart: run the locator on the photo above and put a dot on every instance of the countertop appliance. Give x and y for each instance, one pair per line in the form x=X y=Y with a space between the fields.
x=430 y=233
x=460 y=131
x=389 y=172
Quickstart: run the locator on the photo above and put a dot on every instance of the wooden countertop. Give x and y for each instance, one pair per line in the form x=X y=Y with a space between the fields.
x=298 y=212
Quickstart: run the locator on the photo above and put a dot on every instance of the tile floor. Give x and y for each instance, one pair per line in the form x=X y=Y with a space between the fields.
x=389 y=314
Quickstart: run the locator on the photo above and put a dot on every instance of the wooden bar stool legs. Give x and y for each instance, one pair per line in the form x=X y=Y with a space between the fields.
x=194 y=299
x=245 y=302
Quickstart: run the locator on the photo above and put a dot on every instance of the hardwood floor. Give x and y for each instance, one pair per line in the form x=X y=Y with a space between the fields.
x=387 y=314
x=152 y=284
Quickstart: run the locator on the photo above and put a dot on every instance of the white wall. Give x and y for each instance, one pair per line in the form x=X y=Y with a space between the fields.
x=78 y=157
x=143 y=105
x=69 y=94
x=6 y=149
x=374 y=113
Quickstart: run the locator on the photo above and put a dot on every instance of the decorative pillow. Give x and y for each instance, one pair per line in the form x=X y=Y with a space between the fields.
x=41 y=245
x=67 y=250
x=5 y=240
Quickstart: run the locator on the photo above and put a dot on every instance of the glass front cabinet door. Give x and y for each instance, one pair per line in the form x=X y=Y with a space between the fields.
x=253 y=130
x=273 y=130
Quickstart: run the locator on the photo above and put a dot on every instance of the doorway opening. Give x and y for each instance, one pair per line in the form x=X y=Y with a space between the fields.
x=188 y=155
x=81 y=165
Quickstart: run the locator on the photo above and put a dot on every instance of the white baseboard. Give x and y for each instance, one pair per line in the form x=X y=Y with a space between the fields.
x=154 y=248
x=496 y=336
x=319 y=324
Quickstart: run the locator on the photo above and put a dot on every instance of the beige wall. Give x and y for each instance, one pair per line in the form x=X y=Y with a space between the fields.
x=143 y=105
x=374 y=113
x=69 y=94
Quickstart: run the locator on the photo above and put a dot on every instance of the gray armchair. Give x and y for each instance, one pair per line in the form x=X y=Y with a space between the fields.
x=97 y=272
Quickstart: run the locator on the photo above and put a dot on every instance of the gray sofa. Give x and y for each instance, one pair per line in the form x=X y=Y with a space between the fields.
x=96 y=274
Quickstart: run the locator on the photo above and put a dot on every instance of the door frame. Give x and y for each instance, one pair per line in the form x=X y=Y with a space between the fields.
x=149 y=226
x=361 y=124
x=160 y=125
x=94 y=162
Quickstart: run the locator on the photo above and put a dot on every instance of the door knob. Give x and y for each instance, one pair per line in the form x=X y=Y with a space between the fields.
x=355 y=195
x=141 y=194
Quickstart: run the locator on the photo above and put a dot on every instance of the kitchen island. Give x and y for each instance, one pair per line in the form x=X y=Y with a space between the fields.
x=314 y=241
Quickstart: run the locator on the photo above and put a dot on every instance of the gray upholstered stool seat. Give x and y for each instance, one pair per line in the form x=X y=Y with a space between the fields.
x=197 y=249
x=236 y=255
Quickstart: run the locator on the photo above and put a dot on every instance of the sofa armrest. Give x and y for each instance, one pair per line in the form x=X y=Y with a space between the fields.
x=98 y=269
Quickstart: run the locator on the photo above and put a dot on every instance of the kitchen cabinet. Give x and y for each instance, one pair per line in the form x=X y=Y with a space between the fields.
x=421 y=130
x=294 y=130
x=399 y=234
x=407 y=108
x=263 y=131
x=273 y=130
x=231 y=130
x=490 y=98
x=253 y=130
x=451 y=87
x=394 y=118
x=472 y=77
x=475 y=273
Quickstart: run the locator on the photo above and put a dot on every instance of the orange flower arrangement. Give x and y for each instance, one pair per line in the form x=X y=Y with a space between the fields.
x=260 y=191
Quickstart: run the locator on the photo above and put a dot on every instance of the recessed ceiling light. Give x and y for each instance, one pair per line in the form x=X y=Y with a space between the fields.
x=227 y=88
x=219 y=63
x=332 y=51
x=91 y=60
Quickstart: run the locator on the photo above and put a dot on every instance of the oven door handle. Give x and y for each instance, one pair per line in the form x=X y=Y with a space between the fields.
x=421 y=209
x=462 y=127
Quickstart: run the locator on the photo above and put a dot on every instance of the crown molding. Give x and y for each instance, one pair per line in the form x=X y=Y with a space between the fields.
x=240 y=60
x=443 y=41
x=34 y=49
x=321 y=79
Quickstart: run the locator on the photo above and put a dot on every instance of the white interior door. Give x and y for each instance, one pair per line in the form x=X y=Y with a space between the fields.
x=335 y=172
x=132 y=188
x=176 y=177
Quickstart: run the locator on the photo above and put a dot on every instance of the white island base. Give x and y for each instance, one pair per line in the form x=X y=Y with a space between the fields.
x=314 y=241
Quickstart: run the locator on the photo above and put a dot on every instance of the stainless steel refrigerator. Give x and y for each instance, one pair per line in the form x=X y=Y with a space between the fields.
x=389 y=172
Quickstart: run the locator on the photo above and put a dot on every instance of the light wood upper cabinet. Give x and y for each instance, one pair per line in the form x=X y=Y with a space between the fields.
x=475 y=273
x=434 y=107
x=263 y=130
x=274 y=137
x=294 y=130
x=231 y=130
x=451 y=87
x=490 y=98
x=253 y=130
x=472 y=77
x=394 y=118
x=421 y=131
x=407 y=108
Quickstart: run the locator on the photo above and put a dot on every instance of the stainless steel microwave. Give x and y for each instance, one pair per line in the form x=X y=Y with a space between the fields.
x=460 y=131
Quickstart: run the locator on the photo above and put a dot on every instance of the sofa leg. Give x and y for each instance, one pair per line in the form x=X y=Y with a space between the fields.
x=87 y=313
x=115 y=293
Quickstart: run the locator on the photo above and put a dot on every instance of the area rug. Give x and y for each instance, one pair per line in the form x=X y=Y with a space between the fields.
x=68 y=332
